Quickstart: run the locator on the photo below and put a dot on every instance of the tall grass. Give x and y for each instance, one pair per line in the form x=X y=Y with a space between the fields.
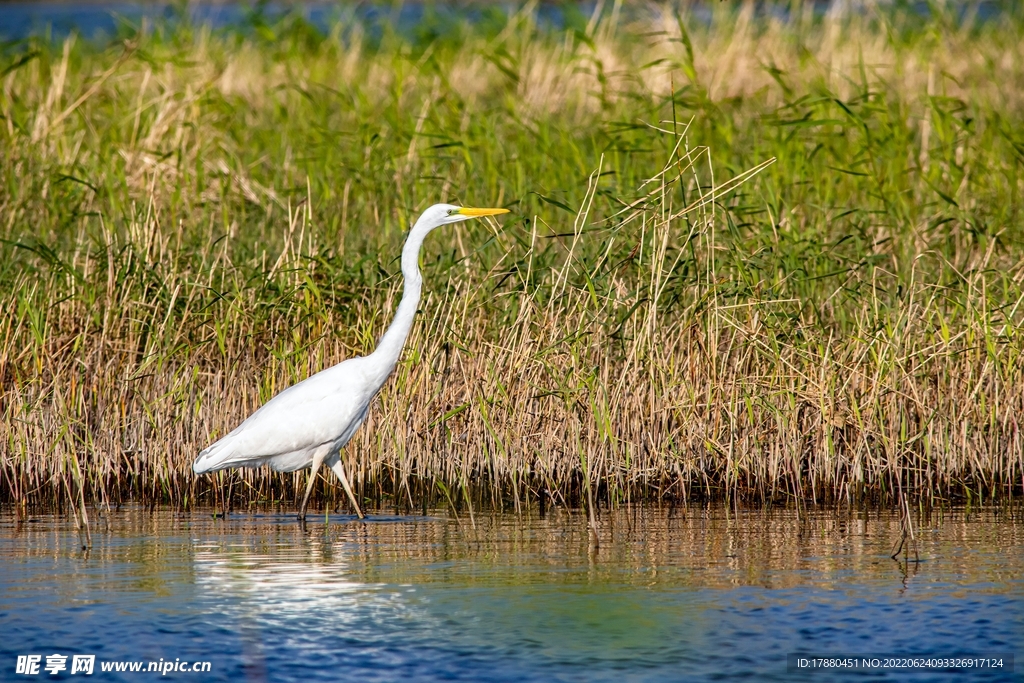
x=194 y=219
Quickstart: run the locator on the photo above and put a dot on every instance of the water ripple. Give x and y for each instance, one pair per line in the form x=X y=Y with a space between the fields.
x=698 y=596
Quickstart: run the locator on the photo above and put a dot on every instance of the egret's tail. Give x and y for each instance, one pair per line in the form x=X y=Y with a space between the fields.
x=214 y=458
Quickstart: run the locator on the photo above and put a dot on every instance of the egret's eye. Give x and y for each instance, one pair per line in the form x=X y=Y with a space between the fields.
x=451 y=212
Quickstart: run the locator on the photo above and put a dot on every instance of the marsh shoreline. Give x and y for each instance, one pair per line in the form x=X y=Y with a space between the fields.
x=786 y=281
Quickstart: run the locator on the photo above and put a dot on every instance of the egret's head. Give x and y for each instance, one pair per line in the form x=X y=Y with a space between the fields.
x=443 y=214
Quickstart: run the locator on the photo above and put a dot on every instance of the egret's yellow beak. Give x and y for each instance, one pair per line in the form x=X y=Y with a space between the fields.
x=466 y=211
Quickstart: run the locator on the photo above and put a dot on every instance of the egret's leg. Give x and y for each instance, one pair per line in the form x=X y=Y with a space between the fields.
x=339 y=469
x=318 y=459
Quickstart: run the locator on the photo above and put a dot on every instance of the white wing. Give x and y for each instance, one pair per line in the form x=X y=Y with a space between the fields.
x=314 y=412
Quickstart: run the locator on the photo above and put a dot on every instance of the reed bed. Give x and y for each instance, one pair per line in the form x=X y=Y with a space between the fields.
x=194 y=219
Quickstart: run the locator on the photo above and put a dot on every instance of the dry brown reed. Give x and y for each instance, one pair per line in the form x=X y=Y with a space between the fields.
x=164 y=279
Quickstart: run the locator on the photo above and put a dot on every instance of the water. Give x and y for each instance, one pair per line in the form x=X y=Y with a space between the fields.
x=103 y=19
x=692 y=594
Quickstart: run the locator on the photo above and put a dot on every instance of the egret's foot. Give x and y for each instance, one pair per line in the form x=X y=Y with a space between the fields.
x=339 y=470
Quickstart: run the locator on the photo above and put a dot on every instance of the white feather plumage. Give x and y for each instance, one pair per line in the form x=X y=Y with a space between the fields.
x=308 y=423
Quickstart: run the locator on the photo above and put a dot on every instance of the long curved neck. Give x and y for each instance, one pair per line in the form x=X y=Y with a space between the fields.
x=391 y=344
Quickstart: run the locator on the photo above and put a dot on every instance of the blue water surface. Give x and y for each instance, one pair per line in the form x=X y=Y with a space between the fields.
x=101 y=20
x=692 y=595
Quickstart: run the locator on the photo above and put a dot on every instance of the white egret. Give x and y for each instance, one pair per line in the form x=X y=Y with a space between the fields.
x=307 y=424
